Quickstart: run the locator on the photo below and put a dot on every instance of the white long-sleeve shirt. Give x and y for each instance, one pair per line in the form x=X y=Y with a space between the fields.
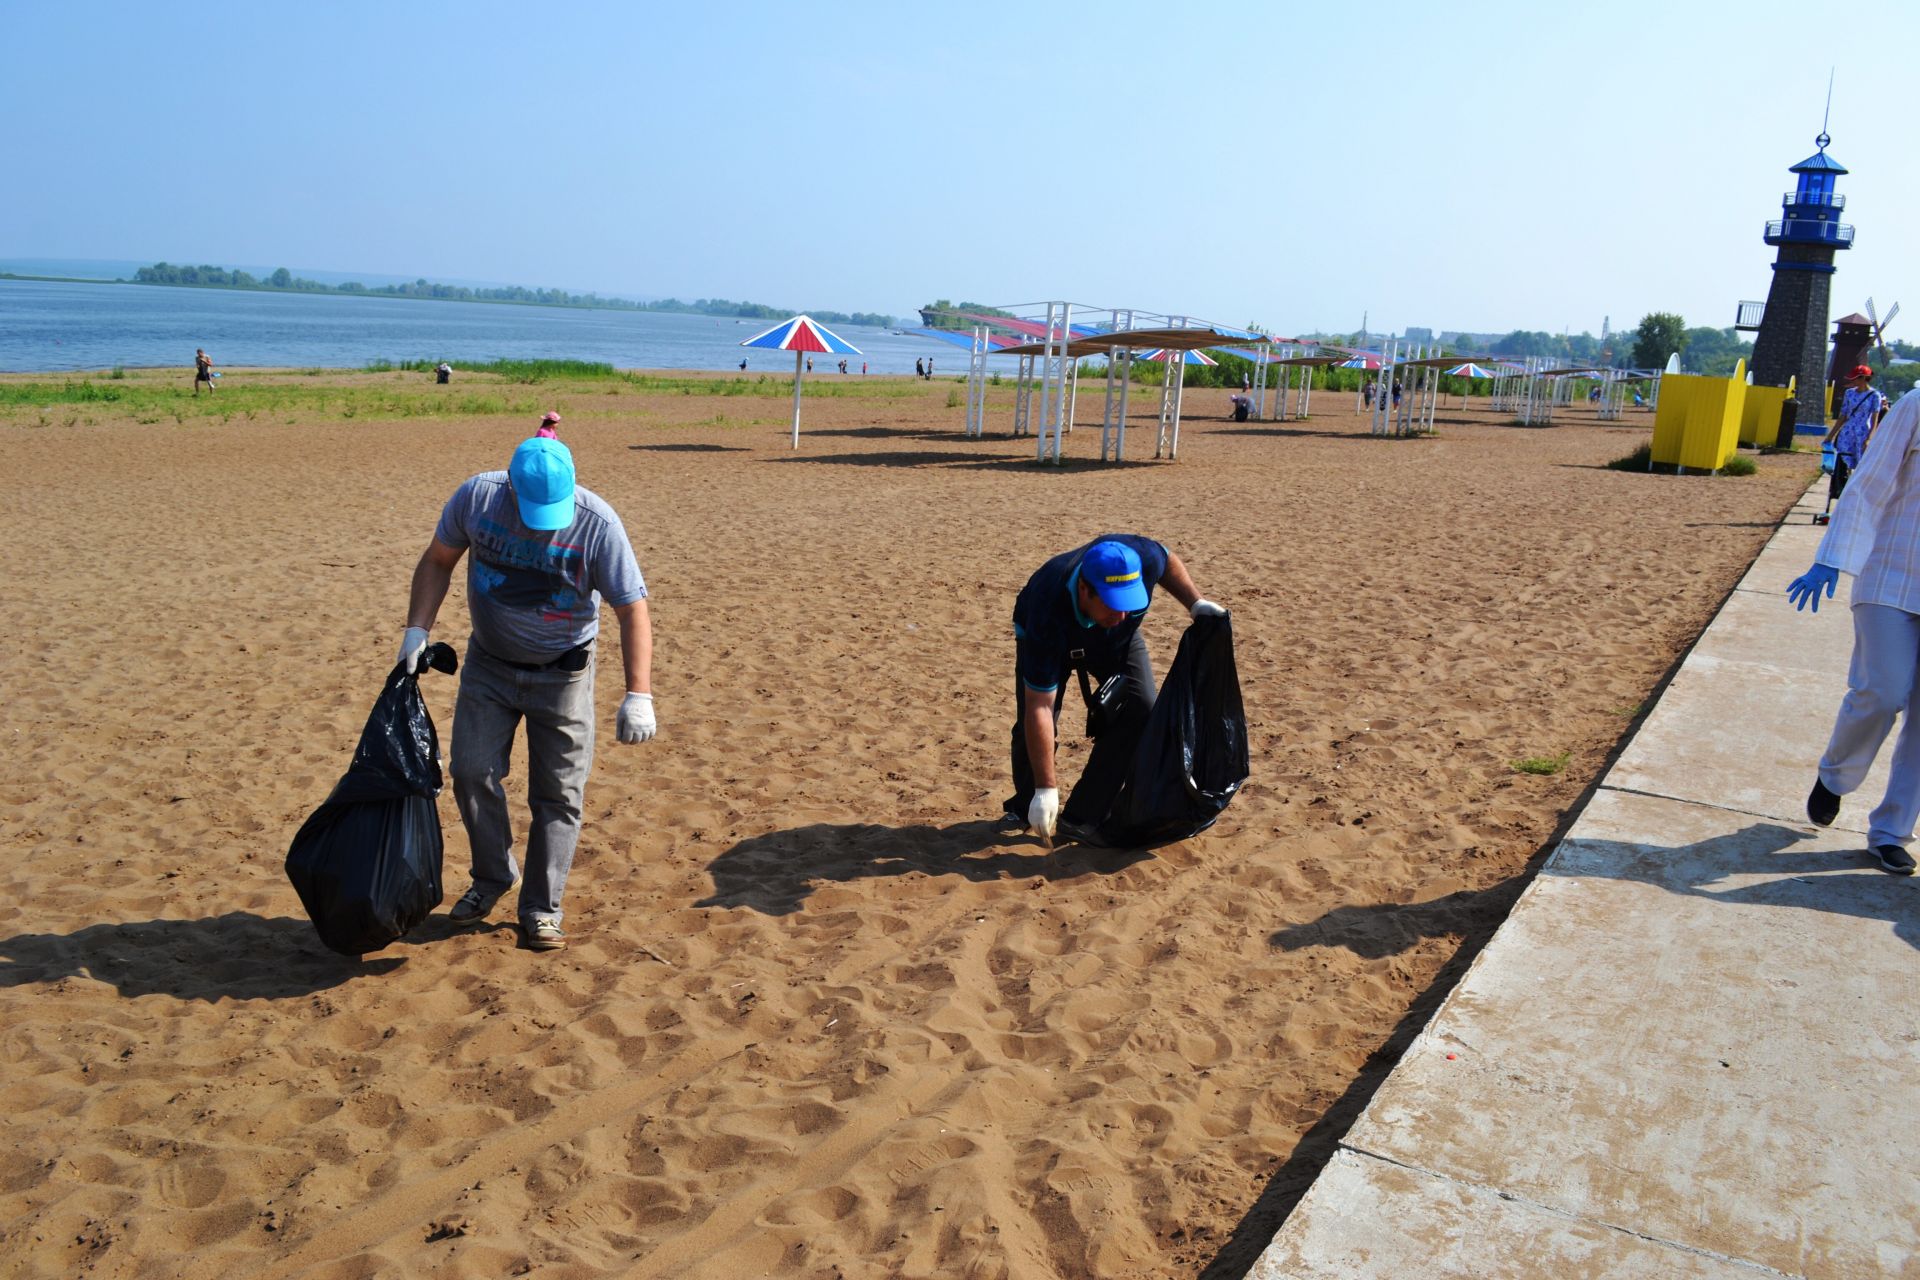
x=1875 y=530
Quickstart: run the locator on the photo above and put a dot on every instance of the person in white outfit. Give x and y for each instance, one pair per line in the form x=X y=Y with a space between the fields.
x=1875 y=536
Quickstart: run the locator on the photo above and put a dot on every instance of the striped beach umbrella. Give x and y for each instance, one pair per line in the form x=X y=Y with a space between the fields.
x=1470 y=370
x=1360 y=362
x=1185 y=357
x=801 y=335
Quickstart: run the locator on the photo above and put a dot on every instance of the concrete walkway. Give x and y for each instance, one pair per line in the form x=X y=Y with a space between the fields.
x=1693 y=1050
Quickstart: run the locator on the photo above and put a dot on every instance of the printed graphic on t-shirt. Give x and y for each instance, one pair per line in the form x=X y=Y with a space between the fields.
x=517 y=572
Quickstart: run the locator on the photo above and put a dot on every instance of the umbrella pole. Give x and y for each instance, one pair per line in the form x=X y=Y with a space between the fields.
x=797 y=358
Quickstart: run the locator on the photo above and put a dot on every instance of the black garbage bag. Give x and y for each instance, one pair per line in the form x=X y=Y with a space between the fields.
x=366 y=864
x=1192 y=754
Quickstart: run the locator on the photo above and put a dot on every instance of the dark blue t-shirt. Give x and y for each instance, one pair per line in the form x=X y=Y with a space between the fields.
x=1048 y=625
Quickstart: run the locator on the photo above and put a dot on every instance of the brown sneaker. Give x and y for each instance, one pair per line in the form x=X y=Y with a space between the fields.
x=544 y=935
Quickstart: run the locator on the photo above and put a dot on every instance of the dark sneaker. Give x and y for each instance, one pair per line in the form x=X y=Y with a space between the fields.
x=1011 y=824
x=476 y=904
x=544 y=935
x=1822 y=805
x=1892 y=858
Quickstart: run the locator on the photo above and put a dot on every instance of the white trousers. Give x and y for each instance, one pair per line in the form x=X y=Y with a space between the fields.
x=1880 y=688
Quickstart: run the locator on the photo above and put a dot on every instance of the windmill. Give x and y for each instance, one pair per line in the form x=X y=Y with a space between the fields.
x=1880 y=329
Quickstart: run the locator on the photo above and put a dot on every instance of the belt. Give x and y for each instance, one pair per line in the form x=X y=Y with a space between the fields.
x=574 y=659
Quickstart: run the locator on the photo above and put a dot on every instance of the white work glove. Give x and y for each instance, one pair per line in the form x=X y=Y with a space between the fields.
x=413 y=643
x=1206 y=609
x=636 y=718
x=1044 y=811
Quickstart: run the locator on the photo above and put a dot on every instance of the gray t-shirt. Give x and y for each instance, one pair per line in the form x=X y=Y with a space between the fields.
x=534 y=594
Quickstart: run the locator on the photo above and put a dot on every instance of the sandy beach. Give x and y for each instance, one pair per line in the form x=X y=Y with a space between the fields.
x=816 y=1019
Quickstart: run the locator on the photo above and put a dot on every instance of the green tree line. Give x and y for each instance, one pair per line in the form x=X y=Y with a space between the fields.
x=282 y=280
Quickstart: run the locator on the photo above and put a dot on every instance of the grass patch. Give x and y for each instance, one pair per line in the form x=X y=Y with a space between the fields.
x=151 y=402
x=1641 y=459
x=1542 y=766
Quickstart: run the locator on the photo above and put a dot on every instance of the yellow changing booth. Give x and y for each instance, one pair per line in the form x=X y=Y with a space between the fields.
x=1760 y=416
x=1701 y=421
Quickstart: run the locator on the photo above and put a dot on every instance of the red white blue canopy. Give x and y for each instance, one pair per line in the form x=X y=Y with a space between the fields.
x=1185 y=357
x=1470 y=370
x=803 y=333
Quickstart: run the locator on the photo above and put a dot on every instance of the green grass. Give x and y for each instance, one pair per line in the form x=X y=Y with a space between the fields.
x=149 y=402
x=1641 y=459
x=1542 y=766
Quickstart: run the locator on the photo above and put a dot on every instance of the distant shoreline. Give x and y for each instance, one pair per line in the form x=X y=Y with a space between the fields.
x=334 y=293
x=406 y=297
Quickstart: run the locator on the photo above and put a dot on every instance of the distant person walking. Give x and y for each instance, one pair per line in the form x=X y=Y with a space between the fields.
x=1875 y=536
x=1368 y=393
x=919 y=368
x=1861 y=408
x=443 y=372
x=929 y=368
x=545 y=553
x=202 y=370
x=743 y=366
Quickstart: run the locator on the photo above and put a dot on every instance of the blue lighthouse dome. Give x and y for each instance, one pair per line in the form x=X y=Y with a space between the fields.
x=1812 y=209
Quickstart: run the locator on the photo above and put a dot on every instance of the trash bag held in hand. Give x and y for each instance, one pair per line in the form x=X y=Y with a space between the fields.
x=366 y=864
x=1192 y=755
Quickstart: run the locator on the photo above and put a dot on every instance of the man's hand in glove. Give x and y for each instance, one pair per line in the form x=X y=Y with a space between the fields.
x=1206 y=609
x=1044 y=812
x=1806 y=587
x=636 y=717
x=413 y=643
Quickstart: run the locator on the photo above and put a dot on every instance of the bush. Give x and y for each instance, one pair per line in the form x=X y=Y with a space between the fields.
x=1638 y=460
x=1738 y=465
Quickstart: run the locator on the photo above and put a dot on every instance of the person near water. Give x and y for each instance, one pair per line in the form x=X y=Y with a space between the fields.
x=545 y=552
x=202 y=370
x=1081 y=612
x=1875 y=536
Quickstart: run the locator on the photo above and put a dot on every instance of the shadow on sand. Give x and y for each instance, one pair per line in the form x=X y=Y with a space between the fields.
x=774 y=873
x=236 y=956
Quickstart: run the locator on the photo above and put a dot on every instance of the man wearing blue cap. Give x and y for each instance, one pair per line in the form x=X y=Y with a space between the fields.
x=545 y=552
x=1081 y=612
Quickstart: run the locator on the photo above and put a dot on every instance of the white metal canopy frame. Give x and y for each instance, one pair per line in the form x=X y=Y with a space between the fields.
x=1057 y=344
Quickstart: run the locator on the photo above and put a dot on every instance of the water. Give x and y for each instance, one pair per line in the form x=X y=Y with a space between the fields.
x=47 y=326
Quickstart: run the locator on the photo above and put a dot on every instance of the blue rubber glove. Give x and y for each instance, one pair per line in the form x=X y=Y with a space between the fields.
x=1805 y=589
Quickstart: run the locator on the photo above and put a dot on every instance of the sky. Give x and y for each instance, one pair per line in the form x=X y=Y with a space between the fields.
x=1478 y=167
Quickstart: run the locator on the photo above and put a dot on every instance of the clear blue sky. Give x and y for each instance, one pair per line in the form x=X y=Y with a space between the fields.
x=1473 y=166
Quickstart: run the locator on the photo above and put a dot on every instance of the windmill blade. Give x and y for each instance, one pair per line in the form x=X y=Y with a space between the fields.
x=1887 y=319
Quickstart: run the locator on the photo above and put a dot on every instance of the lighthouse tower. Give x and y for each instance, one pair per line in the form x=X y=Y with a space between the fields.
x=1792 y=342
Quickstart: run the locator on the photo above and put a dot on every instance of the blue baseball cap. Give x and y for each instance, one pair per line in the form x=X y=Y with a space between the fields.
x=1112 y=569
x=542 y=475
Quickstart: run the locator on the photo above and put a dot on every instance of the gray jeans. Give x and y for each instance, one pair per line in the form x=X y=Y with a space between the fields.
x=1880 y=689
x=558 y=709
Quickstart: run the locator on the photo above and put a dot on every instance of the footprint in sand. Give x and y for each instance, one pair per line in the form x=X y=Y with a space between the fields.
x=190 y=1186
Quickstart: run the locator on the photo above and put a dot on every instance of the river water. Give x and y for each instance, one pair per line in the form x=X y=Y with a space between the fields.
x=55 y=326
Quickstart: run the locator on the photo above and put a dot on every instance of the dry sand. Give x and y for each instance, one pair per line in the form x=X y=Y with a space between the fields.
x=816 y=1019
